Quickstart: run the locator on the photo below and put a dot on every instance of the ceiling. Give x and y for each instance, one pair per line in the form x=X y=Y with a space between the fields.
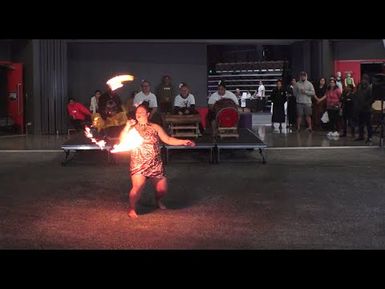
x=202 y=41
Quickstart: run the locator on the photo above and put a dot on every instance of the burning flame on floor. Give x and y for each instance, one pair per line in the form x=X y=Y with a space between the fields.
x=101 y=143
x=128 y=141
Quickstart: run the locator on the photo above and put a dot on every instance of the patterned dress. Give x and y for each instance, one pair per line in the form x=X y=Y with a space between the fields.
x=146 y=159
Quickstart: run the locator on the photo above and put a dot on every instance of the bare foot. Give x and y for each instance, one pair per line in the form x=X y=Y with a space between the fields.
x=161 y=205
x=132 y=214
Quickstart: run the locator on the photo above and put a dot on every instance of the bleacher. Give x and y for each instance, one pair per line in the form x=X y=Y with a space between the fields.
x=246 y=76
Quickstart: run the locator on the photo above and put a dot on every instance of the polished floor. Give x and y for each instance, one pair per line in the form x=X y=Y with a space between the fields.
x=273 y=137
x=300 y=199
x=287 y=137
x=313 y=193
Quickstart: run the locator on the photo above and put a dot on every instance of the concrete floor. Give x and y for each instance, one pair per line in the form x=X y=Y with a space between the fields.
x=301 y=199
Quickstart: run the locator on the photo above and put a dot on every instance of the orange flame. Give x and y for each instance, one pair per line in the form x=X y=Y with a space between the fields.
x=128 y=141
x=101 y=143
x=116 y=81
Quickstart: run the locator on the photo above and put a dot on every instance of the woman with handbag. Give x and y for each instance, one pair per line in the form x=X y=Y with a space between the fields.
x=333 y=105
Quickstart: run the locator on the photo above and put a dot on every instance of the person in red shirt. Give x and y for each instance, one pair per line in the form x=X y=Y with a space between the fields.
x=333 y=105
x=78 y=113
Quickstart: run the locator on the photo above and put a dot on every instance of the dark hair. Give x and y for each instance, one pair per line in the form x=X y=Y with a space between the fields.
x=71 y=98
x=335 y=86
x=96 y=91
x=365 y=77
x=143 y=81
x=145 y=105
x=183 y=84
x=222 y=83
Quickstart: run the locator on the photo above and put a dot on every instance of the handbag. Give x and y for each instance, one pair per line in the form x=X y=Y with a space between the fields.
x=325 y=117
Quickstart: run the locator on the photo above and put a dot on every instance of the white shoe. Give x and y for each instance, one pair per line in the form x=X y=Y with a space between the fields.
x=336 y=134
x=330 y=133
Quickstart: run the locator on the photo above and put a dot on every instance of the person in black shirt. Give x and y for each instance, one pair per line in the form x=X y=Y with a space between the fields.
x=347 y=99
x=319 y=102
x=278 y=98
x=362 y=108
x=291 y=105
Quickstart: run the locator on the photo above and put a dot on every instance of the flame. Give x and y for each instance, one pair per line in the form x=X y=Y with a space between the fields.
x=128 y=141
x=116 y=81
x=101 y=143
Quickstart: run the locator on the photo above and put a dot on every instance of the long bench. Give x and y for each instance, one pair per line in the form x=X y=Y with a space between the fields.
x=247 y=140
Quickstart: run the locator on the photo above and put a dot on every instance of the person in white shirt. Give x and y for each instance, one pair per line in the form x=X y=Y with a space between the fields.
x=184 y=102
x=94 y=101
x=243 y=100
x=148 y=96
x=339 y=81
x=238 y=93
x=261 y=90
x=222 y=93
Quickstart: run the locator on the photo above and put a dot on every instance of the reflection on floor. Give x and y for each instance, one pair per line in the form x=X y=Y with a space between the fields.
x=287 y=137
x=32 y=142
x=273 y=137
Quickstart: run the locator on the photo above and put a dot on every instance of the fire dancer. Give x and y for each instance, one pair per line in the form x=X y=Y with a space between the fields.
x=111 y=113
x=145 y=161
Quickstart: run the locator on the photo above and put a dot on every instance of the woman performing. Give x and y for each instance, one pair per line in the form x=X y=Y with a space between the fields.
x=145 y=161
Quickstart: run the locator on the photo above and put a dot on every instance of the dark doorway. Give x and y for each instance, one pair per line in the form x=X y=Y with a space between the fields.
x=372 y=69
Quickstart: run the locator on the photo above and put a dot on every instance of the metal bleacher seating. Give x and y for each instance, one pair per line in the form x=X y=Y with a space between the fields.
x=246 y=76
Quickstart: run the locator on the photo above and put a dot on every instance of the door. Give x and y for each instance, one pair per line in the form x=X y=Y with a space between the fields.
x=15 y=101
x=372 y=69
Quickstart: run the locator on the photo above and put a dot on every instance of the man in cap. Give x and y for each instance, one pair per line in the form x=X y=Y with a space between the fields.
x=304 y=91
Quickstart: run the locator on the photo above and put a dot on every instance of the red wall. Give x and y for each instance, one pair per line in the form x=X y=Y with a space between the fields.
x=353 y=66
x=203 y=111
x=15 y=106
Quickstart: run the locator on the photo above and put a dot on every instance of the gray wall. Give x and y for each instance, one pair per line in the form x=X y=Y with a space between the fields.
x=305 y=56
x=90 y=65
x=327 y=58
x=313 y=56
x=321 y=61
x=52 y=63
x=297 y=58
x=359 y=49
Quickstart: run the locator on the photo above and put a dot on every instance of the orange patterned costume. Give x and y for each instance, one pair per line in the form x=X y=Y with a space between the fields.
x=110 y=112
x=146 y=159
